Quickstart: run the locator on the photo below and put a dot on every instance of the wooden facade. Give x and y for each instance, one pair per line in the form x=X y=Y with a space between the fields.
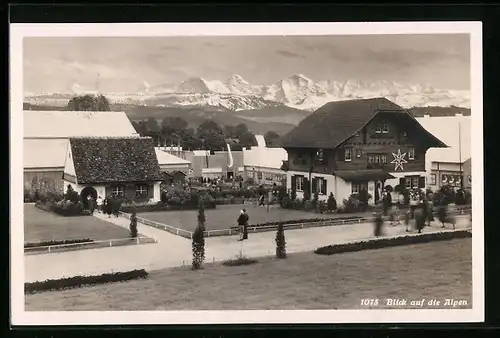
x=44 y=181
x=371 y=148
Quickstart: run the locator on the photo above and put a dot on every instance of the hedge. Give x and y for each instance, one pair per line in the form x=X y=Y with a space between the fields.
x=390 y=242
x=304 y=220
x=79 y=281
x=50 y=243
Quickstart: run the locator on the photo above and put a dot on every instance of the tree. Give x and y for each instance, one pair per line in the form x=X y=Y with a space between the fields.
x=89 y=103
x=272 y=138
x=133 y=225
x=280 y=242
x=331 y=203
x=71 y=195
x=211 y=135
x=198 y=243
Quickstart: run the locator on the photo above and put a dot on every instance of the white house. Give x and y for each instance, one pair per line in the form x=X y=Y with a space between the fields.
x=113 y=166
x=447 y=165
x=45 y=141
x=263 y=164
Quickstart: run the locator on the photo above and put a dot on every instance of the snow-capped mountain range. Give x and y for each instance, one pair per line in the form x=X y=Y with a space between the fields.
x=295 y=91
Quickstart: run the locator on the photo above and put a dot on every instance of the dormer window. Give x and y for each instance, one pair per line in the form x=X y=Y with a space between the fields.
x=320 y=155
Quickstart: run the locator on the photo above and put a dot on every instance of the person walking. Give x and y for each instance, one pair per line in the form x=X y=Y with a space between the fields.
x=91 y=205
x=108 y=206
x=379 y=222
x=99 y=202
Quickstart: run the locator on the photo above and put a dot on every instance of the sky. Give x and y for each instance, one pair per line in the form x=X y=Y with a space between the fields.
x=53 y=64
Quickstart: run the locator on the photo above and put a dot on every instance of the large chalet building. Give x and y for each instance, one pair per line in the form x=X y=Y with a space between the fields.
x=346 y=146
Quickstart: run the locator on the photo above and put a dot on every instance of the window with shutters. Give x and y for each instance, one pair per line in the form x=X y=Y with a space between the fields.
x=299 y=183
x=141 y=190
x=356 y=187
x=321 y=185
x=414 y=182
x=117 y=190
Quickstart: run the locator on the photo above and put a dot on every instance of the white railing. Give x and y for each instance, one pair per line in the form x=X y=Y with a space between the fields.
x=161 y=226
x=93 y=244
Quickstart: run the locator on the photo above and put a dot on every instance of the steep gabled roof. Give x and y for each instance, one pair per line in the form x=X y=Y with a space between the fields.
x=332 y=124
x=113 y=160
x=44 y=153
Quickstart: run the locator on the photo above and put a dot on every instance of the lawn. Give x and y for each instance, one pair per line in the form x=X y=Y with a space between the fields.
x=302 y=281
x=224 y=216
x=41 y=226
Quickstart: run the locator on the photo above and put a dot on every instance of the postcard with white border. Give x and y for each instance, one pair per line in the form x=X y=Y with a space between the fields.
x=246 y=173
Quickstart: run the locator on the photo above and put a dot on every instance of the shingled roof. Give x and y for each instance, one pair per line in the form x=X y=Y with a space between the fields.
x=114 y=159
x=332 y=124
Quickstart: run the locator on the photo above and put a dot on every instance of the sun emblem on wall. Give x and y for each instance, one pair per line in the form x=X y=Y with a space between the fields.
x=399 y=160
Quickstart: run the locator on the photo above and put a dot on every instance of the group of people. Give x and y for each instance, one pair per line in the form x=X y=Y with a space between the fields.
x=109 y=205
x=420 y=211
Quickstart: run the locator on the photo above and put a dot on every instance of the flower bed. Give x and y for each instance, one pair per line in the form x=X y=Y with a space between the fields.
x=162 y=207
x=63 y=208
x=390 y=242
x=239 y=261
x=79 y=281
x=66 y=241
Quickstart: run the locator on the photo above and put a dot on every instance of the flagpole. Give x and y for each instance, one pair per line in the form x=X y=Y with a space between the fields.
x=460 y=155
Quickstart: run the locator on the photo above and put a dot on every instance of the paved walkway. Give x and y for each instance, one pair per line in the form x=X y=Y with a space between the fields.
x=172 y=250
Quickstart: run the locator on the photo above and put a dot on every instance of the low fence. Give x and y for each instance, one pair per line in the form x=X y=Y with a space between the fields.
x=273 y=227
x=89 y=245
x=161 y=226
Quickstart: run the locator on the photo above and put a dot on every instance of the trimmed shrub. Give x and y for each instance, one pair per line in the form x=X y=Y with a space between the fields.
x=62 y=242
x=198 y=244
x=391 y=242
x=280 y=242
x=71 y=195
x=331 y=203
x=80 y=281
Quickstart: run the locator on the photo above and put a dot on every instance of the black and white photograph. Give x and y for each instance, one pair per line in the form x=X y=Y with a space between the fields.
x=246 y=173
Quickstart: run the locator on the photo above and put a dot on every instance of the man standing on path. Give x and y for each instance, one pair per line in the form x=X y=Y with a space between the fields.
x=99 y=204
x=243 y=225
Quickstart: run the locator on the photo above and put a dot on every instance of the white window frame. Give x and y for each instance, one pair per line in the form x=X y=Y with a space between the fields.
x=411 y=153
x=347 y=151
x=377 y=158
x=319 y=185
x=141 y=189
x=385 y=128
x=117 y=190
x=299 y=183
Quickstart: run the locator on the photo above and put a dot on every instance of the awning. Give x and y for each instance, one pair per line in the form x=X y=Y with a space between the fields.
x=363 y=175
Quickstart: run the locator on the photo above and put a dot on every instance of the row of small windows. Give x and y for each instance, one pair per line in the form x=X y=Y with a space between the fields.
x=373 y=157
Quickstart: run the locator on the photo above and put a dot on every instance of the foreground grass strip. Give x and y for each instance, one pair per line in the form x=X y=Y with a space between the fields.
x=391 y=242
x=79 y=281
